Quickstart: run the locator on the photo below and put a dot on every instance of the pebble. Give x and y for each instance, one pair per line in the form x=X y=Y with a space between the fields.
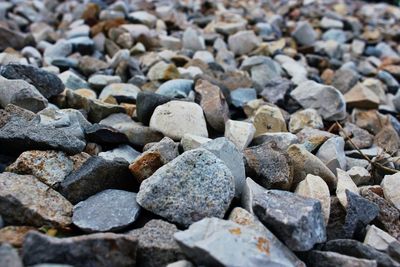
x=240 y=133
x=179 y=88
x=9 y=256
x=191 y=40
x=389 y=185
x=243 y=42
x=277 y=140
x=195 y=185
x=107 y=211
x=304 y=34
x=125 y=152
x=345 y=183
x=305 y=118
x=331 y=153
x=330 y=258
x=269 y=119
x=122 y=92
x=26 y=200
x=361 y=96
x=176 y=118
x=190 y=141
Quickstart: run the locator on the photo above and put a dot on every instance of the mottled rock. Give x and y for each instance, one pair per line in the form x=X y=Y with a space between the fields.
x=108 y=210
x=110 y=250
x=239 y=132
x=269 y=119
x=176 y=118
x=26 y=200
x=305 y=118
x=277 y=140
x=195 y=185
x=296 y=220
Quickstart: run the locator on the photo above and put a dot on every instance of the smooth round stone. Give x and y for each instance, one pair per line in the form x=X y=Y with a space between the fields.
x=179 y=88
x=109 y=210
x=100 y=81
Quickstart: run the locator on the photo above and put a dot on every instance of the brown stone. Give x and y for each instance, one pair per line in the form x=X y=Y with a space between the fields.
x=146 y=165
x=361 y=96
x=388 y=139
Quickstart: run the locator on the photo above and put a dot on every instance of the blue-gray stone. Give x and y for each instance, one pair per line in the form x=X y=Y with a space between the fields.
x=241 y=96
x=335 y=35
x=179 y=88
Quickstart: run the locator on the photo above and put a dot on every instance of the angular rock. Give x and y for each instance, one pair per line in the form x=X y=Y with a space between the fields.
x=96 y=175
x=101 y=134
x=331 y=259
x=106 y=211
x=305 y=118
x=232 y=157
x=304 y=34
x=277 y=140
x=269 y=119
x=378 y=238
x=123 y=151
x=269 y=167
x=191 y=40
x=327 y=100
x=157 y=246
x=243 y=42
x=178 y=88
x=359 y=175
x=190 y=141
x=213 y=103
x=314 y=187
x=388 y=139
x=295 y=220
x=240 y=133
x=344 y=79
x=49 y=167
x=241 y=96
x=390 y=185
x=195 y=185
x=344 y=183
x=122 y=92
x=146 y=103
x=332 y=153
x=110 y=250
x=361 y=96
x=359 y=137
x=26 y=200
x=176 y=118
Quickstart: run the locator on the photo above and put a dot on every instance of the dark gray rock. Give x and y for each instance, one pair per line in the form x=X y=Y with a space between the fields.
x=344 y=79
x=296 y=220
x=394 y=250
x=109 y=210
x=146 y=103
x=318 y=258
x=359 y=213
x=193 y=186
x=20 y=135
x=157 y=246
x=48 y=84
x=359 y=250
x=337 y=217
x=96 y=175
x=9 y=256
x=100 y=250
x=102 y=134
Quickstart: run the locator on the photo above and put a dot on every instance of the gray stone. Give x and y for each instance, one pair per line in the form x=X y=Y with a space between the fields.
x=192 y=40
x=277 y=140
x=107 y=211
x=146 y=103
x=390 y=185
x=157 y=246
x=344 y=79
x=243 y=42
x=275 y=90
x=239 y=132
x=270 y=167
x=9 y=256
x=22 y=94
x=122 y=92
x=296 y=220
x=359 y=137
x=328 y=23
x=226 y=151
x=179 y=88
x=110 y=250
x=241 y=96
x=305 y=118
x=99 y=81
x=96 y=175
x=304 y=34
x=27 y=201
x=265 y=73
x=332 y=153
x=332 y=259
x=251 y=189
x=49 y=167
x=335 y=35
x=19 y=135
x=48 y=84
x=123 y=151
x=72 y=81
x=60 y=49
x=327 y=100
x=190 y=141
x=181 y=263
x=194 y=185
x=359 y=175
x=143 y=17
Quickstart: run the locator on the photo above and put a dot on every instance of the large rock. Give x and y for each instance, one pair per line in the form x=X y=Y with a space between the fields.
x=176 y=118
x=270 y=167
x=390 y=185
x=193 y=186
x=327 y=100
x=232 y=157
x=306 y=163
x=269 y=119
x=315 y=187
x=96 y=175
x=20 y=135
x=50 y=167
x=157 y=246
x=110 y=250
x=216 y=242
x=22 y=94
x=26 y=200
x=296 y=220
x=47 y=83
x=109 y=210
x=213 y=103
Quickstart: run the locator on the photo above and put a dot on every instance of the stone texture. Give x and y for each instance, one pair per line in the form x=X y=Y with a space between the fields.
x=296 y=220
x=378 y=238
x=194 y=185
x=305 y=118
x=176 y=118
x=26 y=200
x=106 y=211
x=304 y=34
x=361 y=96
x=331 y=259
x=269 y=119
x=190 y=141
x=276 y=140
x=125 y=152
x=390 y=184
x=243 y=42
x=110 y=250
x=146 y=103
x=344 y=183
x=240 y=133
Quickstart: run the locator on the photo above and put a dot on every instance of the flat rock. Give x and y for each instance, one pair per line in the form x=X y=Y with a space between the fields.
x=213 y=103
x=315 y=187
x=157 y=246
x=26 y=200
x=226 y=151
x=40 y=248
x=295 y=220
x=106 y=211
x=49 y=167
x=270 y=167
x=390 y=184
x=306 y=163
x=327 y=100
x=176 y=118
x=122 y=92
x=96 y=175
x=47 y=83
x=20 y=135
x=195 y=185
x=240 y=133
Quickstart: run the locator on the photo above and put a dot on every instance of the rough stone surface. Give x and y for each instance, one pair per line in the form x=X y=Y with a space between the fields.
x=146 y=103
x=269 y=119
x=194 y=185
x=239 y=132
x=26 y=200
x=305 y=118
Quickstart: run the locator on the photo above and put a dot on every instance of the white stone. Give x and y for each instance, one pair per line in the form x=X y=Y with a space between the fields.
x=344 y=183
x=240 y=133
x=378 y=238
x=391 y=186
x=190 y=141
